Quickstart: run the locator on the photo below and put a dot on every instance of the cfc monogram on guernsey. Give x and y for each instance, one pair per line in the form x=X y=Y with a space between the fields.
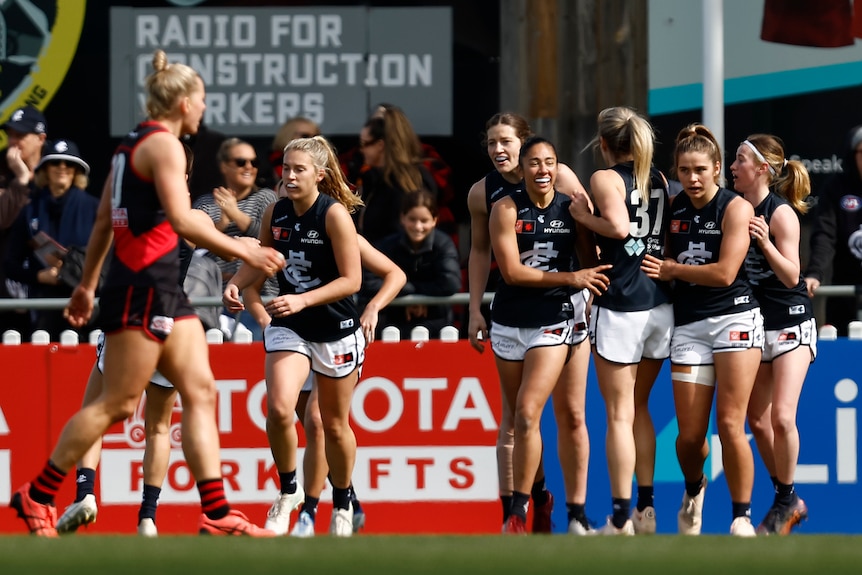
x=695 y=239
x=309 y=264
x=546 y=241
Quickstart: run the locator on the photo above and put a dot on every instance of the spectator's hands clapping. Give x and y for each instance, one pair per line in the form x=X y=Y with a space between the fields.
x=226 y=200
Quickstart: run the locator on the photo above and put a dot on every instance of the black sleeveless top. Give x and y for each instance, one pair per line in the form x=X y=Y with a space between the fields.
x=497 y=187
x=695 y=239
x=781 y=306
x=309 y=264
x=146 y=248
x=546 y=241
x=630 y=288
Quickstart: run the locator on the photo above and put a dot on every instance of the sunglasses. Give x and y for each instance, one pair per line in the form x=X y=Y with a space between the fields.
x=57 y=163
x=242 y=162
x=366 y=143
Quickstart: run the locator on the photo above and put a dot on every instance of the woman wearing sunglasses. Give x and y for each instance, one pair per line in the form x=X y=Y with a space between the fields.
x=236 y=209
x=60 y=214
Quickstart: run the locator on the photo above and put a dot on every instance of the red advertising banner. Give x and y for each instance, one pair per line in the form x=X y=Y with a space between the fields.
x=424 y=414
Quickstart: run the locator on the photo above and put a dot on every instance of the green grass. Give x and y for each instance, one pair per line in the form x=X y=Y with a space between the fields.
x=440 y=555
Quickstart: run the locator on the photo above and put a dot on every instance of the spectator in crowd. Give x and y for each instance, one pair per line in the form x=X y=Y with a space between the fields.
x=204 y=145
x=296 y=127
x=836 y=239
x=236 y=209
x=26 y=131
x=429 y=259
x=392 y=156
x=354 y=165
x=59 y=216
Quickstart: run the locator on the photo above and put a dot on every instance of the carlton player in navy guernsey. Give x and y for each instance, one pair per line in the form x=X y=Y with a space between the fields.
x=315 y=323
x=777 y=189
x=631 y=323
x=533 y=315
x=718 y=335
x=504 y=135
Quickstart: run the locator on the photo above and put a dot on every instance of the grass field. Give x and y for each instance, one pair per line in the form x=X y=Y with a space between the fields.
x=441 y=555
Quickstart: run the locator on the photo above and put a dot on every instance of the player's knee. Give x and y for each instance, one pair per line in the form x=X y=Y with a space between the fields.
x=123 y=408
x=313 y=425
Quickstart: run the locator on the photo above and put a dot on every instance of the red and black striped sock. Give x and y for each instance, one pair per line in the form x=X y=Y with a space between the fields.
x=213 y=502
x=45 y=487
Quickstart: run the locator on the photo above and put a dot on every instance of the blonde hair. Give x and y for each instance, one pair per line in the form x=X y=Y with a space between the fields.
x=324 y=158
x=626 y=132
x=167 y=84
x=80 y=181
x=697 y=138
x=790 y=178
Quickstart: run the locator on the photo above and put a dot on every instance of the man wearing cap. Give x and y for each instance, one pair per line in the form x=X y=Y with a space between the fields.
x=26 y=131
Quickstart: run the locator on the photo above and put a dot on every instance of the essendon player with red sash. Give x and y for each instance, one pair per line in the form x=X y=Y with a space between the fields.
x=149 y=324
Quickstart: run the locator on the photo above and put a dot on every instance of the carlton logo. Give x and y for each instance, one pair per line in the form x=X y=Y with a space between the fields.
x=851 y=203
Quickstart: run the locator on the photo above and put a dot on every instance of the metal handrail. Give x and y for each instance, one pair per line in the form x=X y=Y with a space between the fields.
x=211 y=301
x=461 y=298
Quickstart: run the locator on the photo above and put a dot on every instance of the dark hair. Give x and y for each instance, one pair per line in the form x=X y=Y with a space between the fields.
x=532 y=142
x=376 y=128
x=520 y=125
x=419 y=199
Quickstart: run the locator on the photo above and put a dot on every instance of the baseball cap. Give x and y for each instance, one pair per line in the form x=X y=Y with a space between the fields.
x=65 y=150
x=27 y=120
